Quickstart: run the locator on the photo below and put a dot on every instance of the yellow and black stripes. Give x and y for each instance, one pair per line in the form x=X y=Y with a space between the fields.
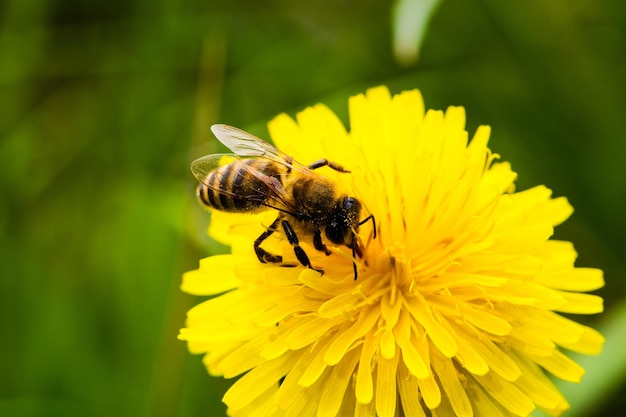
x=239 y=187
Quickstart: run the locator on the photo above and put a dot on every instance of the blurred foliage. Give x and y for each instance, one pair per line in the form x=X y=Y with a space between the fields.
x=104 y=104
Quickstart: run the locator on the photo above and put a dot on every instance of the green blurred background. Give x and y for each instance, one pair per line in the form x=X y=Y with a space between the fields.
x=103 y=104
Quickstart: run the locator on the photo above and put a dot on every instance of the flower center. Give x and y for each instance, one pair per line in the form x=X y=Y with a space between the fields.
x=394 y=271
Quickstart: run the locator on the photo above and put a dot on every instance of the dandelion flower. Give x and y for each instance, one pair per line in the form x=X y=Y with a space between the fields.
x=456 y=309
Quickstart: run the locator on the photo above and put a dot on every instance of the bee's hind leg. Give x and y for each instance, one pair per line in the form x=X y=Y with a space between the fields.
x=303 y=258
x=263 y=255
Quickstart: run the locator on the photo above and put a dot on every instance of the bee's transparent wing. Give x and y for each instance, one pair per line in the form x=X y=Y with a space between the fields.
x=243 y=143
x=202 y=167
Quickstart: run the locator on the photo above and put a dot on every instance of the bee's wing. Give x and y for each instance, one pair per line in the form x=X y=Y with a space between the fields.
x=202 y=167
x=245 y=144
x=272 y=187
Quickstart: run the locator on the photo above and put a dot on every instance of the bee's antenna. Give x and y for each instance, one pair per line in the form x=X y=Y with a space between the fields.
x=354 y=259
x=368 y=218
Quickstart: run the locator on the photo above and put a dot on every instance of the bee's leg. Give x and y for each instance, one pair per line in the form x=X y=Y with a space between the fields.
x=317 y=242
x=263 y=255
x=354 y=251
x=300 y=253
x=368 y=218
x=325 y=162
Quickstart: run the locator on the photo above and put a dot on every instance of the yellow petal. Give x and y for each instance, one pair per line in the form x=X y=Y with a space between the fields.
x=581 y=304
x=216 y=275
x=576 y=279
x=317 y=365
x=386 y=386
x=289 y=390
x=452 y=386
x=415 y=363
x=560 y=366
x=470 y=358
x=534 y=383
x=350 y=335
x=506 y=394
x=409 y=396
x=244 y=358
x=430 y=391
x=257 y=381
x=496 y=358
x=309 y=331
x=589 y=343
x=364 y=386
x=335 y=386
x=440 y=337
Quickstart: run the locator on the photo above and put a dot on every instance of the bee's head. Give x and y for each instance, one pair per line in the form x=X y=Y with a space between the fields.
x=344 y=221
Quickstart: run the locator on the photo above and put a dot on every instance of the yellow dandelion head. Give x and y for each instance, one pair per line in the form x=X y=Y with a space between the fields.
x=455 y=309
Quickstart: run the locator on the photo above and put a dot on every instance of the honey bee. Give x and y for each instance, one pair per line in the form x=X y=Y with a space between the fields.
x=261 y=177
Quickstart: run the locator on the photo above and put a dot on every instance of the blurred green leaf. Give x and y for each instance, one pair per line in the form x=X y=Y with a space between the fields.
x=409 y=25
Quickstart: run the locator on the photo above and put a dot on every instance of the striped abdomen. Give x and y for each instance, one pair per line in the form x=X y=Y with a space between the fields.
x=233 y=188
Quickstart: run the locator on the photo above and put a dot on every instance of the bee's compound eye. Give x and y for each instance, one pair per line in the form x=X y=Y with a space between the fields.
x=350 y=204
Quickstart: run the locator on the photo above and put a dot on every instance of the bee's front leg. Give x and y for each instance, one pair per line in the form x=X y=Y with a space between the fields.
x=319 y=245
x=293 y=240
